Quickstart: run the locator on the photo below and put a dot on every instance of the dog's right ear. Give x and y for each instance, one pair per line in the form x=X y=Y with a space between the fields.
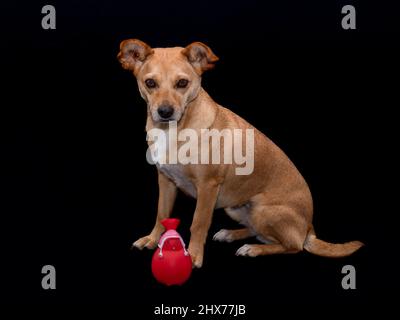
x=133 y=53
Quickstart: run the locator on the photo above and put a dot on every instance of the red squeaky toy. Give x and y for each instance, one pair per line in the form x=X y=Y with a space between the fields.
x=171 y=264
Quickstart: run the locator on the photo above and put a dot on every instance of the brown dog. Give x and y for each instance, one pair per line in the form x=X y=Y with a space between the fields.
x=273 y=203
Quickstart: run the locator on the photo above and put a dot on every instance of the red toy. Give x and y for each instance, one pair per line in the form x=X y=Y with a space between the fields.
x=171 y=264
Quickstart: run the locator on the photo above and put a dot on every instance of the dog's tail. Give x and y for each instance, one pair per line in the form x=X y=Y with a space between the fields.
x=330 y=250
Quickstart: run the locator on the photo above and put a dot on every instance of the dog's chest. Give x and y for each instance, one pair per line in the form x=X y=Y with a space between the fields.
x=176 y=173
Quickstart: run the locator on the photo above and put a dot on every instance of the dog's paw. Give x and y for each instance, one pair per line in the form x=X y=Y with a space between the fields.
x=146 y=242
x=248 y=250
x=197 y=256
x=224 y=235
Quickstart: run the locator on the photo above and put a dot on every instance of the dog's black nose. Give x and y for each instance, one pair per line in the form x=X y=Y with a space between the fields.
x=165 y=111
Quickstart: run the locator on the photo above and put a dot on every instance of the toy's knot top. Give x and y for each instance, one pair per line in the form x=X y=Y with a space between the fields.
x=170 y=224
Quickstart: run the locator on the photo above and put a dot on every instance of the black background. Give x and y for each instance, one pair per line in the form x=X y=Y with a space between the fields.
x=76 y=189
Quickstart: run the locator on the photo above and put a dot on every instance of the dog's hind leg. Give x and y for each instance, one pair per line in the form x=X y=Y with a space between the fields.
x=241 y=215
x=225 y=235
x=279 y=223
x=254 y=250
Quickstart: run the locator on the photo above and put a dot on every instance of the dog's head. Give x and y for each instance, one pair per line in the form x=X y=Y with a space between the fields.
x=168 y=78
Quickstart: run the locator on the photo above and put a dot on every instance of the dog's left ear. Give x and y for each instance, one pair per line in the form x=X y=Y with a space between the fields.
x=200 y=57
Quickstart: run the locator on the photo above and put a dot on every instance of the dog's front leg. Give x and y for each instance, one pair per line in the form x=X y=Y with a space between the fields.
x=207 y=194
x=166 y=200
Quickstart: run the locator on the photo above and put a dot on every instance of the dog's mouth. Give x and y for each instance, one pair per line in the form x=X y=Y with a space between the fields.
x=175 y=118
x=166 y=120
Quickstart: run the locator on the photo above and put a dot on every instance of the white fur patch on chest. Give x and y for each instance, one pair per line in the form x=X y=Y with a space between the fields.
x=164 y=154
x=176 y=174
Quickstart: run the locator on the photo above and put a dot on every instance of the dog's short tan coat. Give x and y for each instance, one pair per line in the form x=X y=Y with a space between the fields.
x=273 y=203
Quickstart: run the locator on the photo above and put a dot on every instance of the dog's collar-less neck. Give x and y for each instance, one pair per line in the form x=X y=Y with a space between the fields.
x=200 y=113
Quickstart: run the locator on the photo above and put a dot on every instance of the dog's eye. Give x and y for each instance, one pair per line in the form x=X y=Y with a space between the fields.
x=150 y=83
x=182 y=83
